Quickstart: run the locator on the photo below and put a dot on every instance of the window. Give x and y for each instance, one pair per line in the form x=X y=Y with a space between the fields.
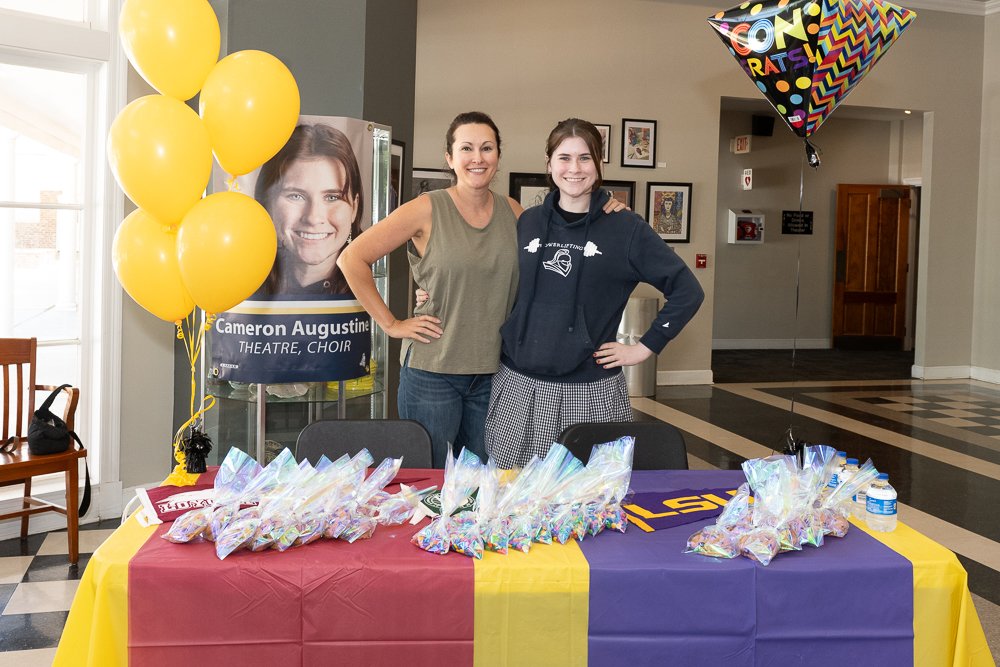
x=61 y=79
x=69 y=10
x=43 y=116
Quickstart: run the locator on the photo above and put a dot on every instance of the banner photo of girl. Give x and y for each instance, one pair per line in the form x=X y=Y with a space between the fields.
x=303 y=324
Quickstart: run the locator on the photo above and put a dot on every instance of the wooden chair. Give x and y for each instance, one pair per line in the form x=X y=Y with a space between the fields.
x=382 y=437
x=17 y=365
x=658 y=445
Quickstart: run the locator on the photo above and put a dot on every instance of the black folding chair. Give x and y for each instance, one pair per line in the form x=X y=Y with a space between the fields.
x=658 y=445
x=382 y=437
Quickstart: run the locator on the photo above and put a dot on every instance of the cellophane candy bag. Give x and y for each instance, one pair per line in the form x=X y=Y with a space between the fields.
x=465 y=535
x=492 y=530
x=338 y=504
x=239 y=533
x=770 y=480
x=514 y=509
x=613 y=460
x=399 y=507
x=362 y=522
x=189 y=526
x=461 y=478
x=719 y=540
x=818 y=464
x=236 y=472
x=836 y=507
x=557 y=466
x=713 y=540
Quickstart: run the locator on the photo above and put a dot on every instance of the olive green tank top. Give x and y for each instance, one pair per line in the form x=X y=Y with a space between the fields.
x=471 y=275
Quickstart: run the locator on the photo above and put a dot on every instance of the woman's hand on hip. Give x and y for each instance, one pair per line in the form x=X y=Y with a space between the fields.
x=613 y=355
x=421 y=328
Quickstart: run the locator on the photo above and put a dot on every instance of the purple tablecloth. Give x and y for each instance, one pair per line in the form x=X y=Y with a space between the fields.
x=849 y=602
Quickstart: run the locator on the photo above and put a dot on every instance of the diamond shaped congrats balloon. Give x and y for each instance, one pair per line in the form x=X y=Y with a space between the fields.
x=805 y=56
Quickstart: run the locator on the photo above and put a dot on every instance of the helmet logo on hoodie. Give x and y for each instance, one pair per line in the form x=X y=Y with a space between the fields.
x=561 y=262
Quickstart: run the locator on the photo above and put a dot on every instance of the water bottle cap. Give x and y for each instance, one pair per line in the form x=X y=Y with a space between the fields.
x=852 y=462
x=842 y=454
x=883 y=475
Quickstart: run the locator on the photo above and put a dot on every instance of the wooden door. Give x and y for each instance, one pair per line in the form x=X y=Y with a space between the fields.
x=869 y=288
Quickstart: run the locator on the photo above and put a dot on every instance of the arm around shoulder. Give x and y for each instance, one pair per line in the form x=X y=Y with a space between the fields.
x=515 y=206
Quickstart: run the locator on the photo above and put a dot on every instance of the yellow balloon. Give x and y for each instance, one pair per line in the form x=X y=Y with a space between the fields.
x=160 y=155
x=144 y=255
x=226 y=246
x=172 y=44
x=250 y=105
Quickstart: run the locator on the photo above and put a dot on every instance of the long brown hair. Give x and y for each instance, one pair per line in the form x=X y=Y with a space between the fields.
x=310 y=142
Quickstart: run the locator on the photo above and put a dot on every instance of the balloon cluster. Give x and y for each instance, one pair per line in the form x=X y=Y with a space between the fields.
x=180 y=248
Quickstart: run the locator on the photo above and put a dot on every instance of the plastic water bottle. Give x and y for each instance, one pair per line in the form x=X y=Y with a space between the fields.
x=880 y=505
x=838 y=469
x=860 y=509
x=850 y=469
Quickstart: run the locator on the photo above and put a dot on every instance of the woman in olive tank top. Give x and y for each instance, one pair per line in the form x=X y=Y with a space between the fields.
x=462 y=248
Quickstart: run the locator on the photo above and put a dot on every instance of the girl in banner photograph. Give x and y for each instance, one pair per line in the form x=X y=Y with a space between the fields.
x=313 y=191
x=561 y=363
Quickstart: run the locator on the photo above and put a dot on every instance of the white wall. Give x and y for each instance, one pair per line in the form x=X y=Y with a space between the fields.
x=532 y=64
x=755 y=285
x=147 y=377
x=986 y=339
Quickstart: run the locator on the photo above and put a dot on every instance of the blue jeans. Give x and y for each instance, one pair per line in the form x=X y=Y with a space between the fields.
x=451 y=407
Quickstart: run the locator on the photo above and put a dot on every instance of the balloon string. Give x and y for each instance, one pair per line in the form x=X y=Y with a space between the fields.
x=798 y=273
x=193 y=343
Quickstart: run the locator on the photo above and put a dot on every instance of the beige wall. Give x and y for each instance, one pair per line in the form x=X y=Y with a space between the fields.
x=986 y=338
x=532 y=64
x=147 y=376
x=755 y=285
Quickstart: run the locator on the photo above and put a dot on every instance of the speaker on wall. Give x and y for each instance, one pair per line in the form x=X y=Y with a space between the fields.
x=762 y=126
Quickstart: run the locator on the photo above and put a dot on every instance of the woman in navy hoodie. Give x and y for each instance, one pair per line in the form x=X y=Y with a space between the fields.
x=560 y=363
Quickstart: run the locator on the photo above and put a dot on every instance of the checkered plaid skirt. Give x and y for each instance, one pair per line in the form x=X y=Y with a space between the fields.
x=526 y=415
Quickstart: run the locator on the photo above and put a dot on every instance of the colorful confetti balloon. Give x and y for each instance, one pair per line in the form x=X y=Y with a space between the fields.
x=805 y=56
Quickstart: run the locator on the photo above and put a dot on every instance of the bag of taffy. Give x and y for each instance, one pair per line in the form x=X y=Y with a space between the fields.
x=613 y=461
x=461 y=478
x=719 y=540
x=835 y=508
x=369 y=496
x=337 y=508
x=234 y=474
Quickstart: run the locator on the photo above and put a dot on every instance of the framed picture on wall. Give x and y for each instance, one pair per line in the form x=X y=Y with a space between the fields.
x=638 y=143
x=668 y=210
x=527 y=188
x=396 y=161
x=425 y=180
x=623 y=191
x=605 y=131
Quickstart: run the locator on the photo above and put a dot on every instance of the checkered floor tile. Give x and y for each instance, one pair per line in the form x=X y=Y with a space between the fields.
x=976 y=414
x=37 y=585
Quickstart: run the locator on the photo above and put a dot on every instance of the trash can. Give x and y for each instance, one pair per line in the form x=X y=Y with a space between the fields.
x=639 y=314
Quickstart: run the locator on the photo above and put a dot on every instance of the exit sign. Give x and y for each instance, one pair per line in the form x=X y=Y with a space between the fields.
x=741 y=144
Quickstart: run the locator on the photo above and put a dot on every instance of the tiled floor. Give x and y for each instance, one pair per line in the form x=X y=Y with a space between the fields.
x=37 y=585
x=938 y=440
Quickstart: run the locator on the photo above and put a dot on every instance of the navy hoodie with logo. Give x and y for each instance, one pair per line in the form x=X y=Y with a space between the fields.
x=575 y=280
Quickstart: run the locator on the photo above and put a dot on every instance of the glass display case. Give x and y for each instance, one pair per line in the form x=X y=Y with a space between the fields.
x=263 y=419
